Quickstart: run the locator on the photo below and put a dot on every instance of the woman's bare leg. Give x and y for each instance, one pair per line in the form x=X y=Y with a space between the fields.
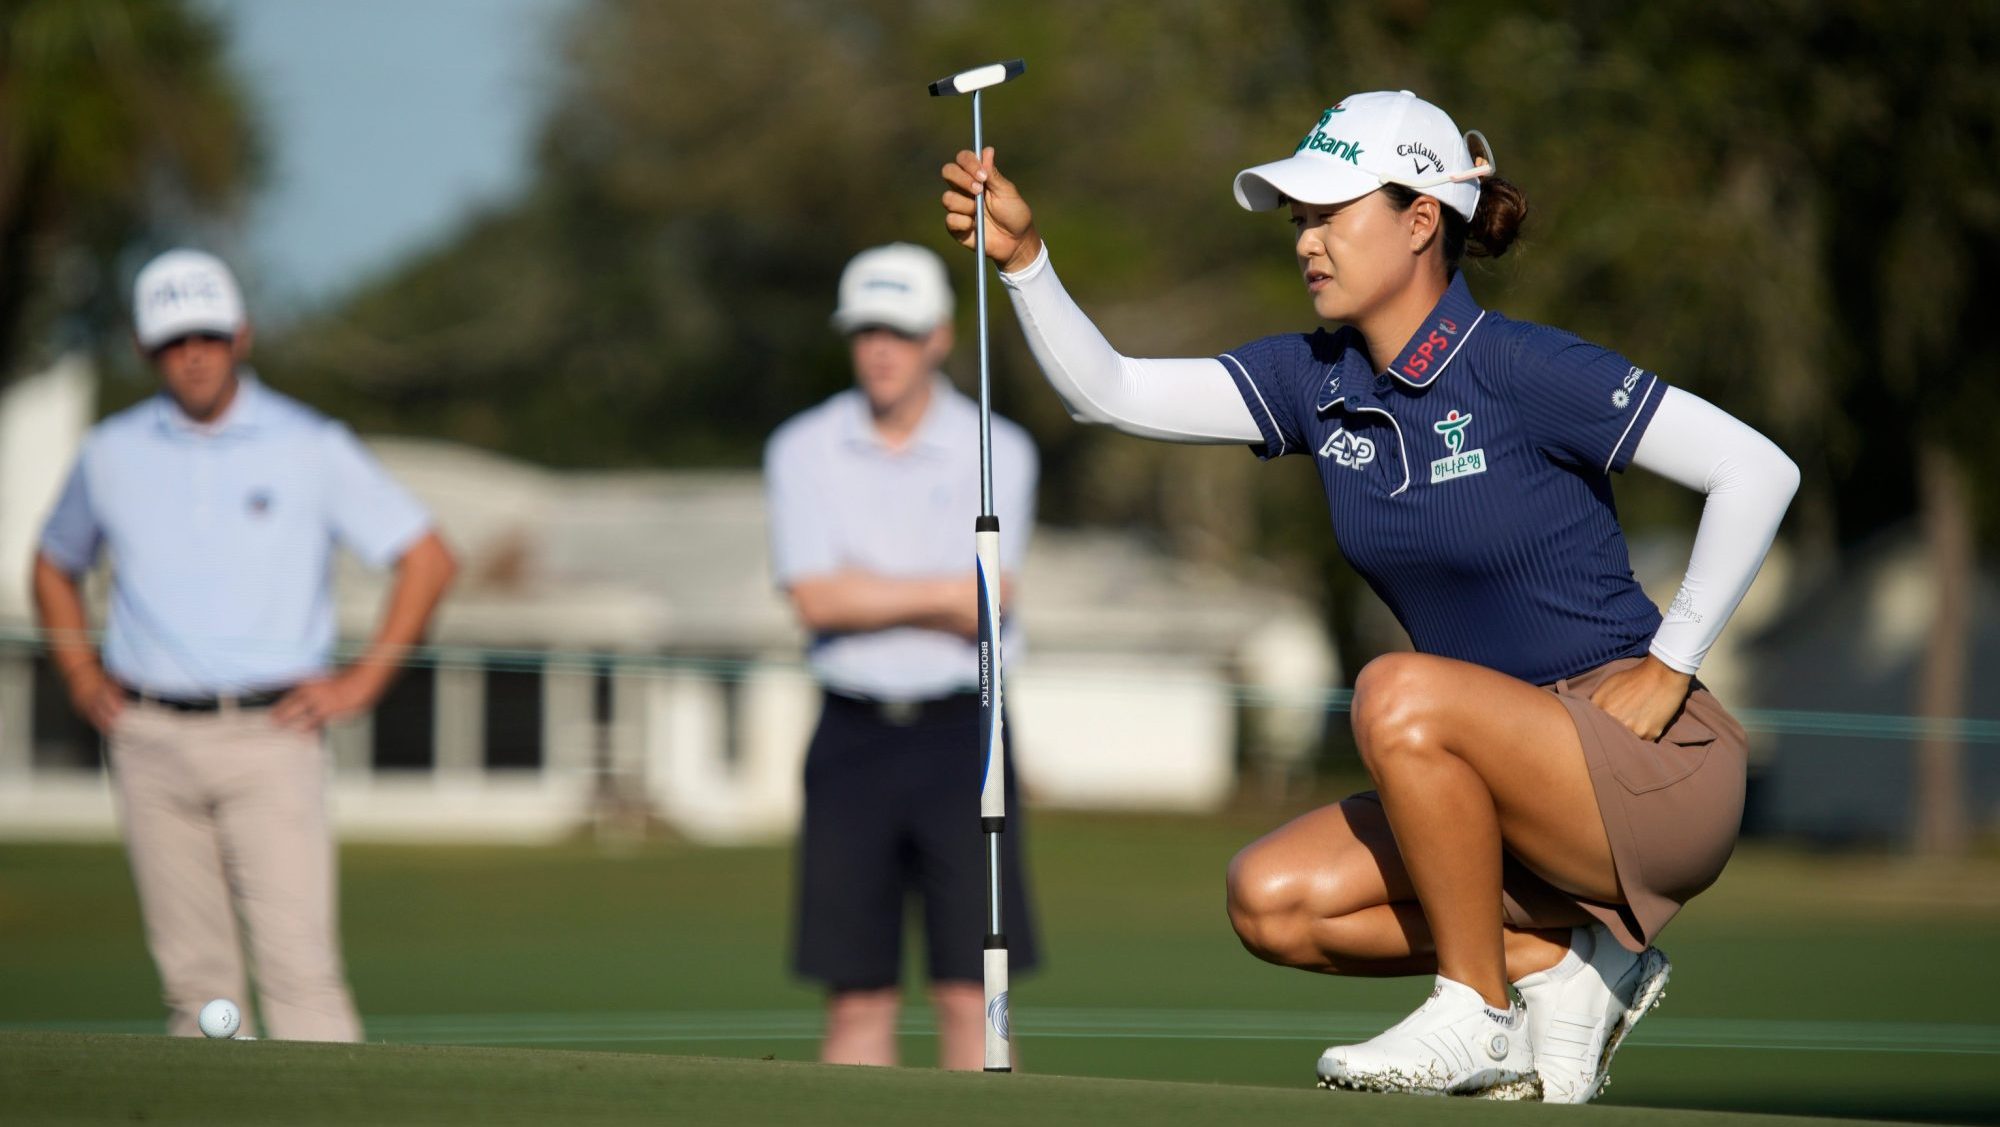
x=1327 y=892
x=1467 y=759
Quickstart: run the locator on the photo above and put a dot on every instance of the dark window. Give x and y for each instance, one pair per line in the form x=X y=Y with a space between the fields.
x=513 y=717
x=601 y=692
x=62 y=739
x=601 y=707
x=404 y=720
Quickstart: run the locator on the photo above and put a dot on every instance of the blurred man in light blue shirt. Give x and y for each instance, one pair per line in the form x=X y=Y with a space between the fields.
x=872 y=496
x=219 y=503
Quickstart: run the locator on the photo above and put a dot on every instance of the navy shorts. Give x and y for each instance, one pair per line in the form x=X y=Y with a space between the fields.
x=892 y=812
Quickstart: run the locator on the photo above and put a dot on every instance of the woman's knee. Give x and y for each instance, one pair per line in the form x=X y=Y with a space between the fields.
x=1266 y=902
x=1395 y=699
x=1278 y=904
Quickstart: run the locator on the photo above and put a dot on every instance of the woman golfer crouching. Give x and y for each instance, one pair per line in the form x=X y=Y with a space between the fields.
x=1552 y=783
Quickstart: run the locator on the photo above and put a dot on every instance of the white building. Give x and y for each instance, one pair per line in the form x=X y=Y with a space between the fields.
x=615 y=654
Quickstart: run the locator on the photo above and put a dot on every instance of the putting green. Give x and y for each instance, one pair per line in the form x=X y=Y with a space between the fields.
x=1803 y=985
x=75 y=1078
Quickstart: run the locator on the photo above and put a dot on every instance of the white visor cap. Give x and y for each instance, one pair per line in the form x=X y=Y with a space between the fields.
x=901 y=286
x=1366 y=141
x=182 y=292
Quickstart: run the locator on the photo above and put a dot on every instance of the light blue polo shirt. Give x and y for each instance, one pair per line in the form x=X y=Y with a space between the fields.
x=840 y=499
x=221 y=538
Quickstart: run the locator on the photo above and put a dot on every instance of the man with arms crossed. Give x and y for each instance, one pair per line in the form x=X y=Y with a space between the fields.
x=219 y=502
x=872 y=499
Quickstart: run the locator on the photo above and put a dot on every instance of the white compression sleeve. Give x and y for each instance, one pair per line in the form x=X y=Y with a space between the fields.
x=1190 y=400
x=1749 y=482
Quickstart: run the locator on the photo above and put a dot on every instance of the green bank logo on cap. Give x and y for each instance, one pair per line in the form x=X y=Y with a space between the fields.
x=1320 y=141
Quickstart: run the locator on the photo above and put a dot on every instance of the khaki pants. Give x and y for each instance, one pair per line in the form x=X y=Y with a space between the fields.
x=225 y=815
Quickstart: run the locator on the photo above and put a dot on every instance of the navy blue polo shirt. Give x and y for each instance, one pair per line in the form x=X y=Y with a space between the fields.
x=1469 y=482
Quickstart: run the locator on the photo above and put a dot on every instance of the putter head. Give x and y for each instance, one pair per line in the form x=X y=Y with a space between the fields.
x=978 y=78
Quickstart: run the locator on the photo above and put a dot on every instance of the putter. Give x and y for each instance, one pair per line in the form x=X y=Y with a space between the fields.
x=986 y=542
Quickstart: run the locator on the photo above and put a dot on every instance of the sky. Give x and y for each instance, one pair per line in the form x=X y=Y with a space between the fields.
x=387 y=123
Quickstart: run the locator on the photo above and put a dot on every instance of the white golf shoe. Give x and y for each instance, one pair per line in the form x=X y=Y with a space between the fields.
x=1455 y=1044
x=1581 y=1008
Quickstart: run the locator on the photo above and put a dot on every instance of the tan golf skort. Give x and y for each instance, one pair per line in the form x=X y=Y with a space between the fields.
x=1671 y=809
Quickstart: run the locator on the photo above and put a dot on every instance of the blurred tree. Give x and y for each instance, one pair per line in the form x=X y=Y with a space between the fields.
x=1908 y=138
x=661 y=296
x=115 y=116
x=707 y=171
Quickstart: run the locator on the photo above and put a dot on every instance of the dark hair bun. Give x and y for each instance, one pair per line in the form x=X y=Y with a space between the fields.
x=1496 y=222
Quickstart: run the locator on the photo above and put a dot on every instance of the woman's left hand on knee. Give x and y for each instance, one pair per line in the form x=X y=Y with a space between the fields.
x=1644 y=698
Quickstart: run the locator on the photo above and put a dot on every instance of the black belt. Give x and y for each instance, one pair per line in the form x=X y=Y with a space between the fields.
x=207 y=704
x=909 y=713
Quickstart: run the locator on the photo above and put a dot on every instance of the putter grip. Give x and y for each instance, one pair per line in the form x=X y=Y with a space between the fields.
x=978 y=78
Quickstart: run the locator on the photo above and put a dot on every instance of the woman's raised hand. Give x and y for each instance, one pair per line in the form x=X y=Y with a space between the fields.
x=1011 y=239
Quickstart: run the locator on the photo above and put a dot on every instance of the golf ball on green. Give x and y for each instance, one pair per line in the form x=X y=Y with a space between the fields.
x=220 y=1018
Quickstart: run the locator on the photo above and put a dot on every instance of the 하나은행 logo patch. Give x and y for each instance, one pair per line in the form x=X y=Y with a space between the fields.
x=1456 y=464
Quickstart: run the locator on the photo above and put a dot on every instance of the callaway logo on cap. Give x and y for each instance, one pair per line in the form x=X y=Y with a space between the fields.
x=1366 y=141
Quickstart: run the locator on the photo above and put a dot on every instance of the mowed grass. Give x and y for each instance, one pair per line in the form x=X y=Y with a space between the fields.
x=97 y=1078
x=1804 y=985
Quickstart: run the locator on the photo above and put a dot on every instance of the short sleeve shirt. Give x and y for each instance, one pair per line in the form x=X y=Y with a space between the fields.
x=221 y=538
x=840 y=499
x=1469 y=482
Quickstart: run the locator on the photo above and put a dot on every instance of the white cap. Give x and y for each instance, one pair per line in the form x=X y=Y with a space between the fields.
x=901 y=286
x=182 y=292
x=1366 y=141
